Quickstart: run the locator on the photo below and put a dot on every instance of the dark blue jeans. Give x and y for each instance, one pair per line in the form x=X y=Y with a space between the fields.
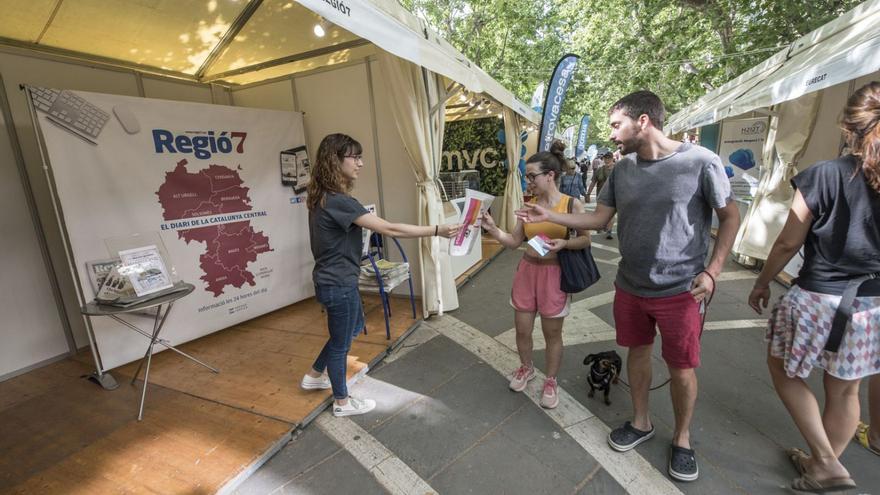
x=345 y=320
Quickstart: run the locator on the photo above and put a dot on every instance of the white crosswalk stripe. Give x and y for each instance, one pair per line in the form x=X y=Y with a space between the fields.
x=392 y=473
x=630 y=469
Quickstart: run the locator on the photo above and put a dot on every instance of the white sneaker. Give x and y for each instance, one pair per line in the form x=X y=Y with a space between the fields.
x=354 y=407
x=320 y=383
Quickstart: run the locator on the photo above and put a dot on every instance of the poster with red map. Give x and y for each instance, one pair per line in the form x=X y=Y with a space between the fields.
x=205 y=178
x=231 y=244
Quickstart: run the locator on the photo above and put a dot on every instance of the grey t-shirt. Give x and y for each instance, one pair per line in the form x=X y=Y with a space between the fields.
x=336 y=240
x=664 y=210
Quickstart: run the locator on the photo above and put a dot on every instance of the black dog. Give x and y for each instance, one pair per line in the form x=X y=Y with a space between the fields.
x=604 y=369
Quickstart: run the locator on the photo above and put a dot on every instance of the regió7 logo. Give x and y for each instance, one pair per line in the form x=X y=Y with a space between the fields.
x=201 y=144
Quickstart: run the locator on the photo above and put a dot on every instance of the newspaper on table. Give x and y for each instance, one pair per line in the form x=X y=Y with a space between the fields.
x=98 y=271
x=475 y=203
x=145 y=270
x=115 y=287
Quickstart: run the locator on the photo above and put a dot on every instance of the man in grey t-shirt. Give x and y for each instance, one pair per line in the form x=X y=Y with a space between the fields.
x=664 y=192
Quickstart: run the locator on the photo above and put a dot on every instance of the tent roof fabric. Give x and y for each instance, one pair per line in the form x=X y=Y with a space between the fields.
x=844 y=49
x=239 y=41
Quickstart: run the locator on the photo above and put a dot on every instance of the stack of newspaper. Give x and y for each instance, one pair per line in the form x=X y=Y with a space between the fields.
x=392 y=273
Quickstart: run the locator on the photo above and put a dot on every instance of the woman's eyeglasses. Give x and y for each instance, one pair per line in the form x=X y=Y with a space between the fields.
x=357 y=158
x=531 y=176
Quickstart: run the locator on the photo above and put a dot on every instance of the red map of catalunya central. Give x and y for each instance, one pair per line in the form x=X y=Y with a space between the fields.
x=230 y=246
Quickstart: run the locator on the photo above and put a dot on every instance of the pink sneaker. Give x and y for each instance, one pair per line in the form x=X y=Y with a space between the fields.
x=550 y=399
x=521 y=378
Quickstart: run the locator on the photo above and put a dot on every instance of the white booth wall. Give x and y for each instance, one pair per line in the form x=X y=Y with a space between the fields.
x=350 y=99
x=33 y=330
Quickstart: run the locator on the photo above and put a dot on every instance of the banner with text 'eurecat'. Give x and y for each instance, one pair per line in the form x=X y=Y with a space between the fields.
x=206 y=178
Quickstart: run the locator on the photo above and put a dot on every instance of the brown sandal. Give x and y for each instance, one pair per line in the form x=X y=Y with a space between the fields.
x=797 y=458
x=807 y=483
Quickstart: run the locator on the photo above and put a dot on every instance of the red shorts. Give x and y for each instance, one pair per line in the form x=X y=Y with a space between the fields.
x=678 y=318
x=536 y=289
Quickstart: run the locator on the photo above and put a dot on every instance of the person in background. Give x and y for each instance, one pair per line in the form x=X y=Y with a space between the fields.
x=335 y=223
x=866 y=436
x=664 y=193
x=597 y=164
x=606 y=170
x=830 y=318
x=536 y=284
x=571 y=184
x=584 y=166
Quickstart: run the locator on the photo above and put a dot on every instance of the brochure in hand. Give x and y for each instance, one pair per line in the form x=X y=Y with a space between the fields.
x=475 y=203
x=539 y=244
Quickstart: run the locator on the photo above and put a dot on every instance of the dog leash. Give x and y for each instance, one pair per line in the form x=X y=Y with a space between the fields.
x=705 y=310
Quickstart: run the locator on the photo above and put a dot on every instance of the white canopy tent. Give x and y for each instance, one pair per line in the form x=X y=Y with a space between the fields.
x=802 y=89
x=394 y=29
x=259 y=53
x=842 y=50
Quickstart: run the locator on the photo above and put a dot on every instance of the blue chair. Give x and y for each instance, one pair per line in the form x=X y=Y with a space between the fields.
x=376 y=252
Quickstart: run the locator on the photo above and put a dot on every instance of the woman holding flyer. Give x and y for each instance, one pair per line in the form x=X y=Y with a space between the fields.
x=536 y=284
x=336 y=220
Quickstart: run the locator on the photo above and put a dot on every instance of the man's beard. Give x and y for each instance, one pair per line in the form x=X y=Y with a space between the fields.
x=631 y=145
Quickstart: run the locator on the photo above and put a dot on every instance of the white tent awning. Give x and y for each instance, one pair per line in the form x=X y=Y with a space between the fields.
x=394 y=29
x=715 y=105
x=841 y=50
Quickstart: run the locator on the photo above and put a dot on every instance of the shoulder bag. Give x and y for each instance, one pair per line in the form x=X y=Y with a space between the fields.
x=578 y=267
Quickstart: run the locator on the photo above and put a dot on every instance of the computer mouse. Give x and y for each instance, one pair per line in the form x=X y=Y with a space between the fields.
x=127 y=119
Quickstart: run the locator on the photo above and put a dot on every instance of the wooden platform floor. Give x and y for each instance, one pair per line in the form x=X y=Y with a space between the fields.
x=491 y=249
x=59 y=433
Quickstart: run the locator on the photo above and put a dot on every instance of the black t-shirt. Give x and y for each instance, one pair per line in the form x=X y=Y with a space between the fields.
x=844 y=238
x=336 y=240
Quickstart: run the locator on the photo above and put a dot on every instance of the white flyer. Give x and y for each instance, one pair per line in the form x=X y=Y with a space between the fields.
x=145 y=270
x=475 y=203
x=539 y=244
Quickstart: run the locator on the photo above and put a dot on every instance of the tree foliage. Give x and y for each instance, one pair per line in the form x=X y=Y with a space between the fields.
x=676 y=48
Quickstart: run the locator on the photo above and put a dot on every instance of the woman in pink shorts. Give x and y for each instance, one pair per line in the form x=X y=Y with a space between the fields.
x=537 y=279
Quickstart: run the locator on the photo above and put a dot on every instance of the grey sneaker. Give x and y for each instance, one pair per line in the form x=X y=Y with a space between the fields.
x=354 y=407
x=320 y=383
x=521 y=378
x=627 y=437
x=683 y=464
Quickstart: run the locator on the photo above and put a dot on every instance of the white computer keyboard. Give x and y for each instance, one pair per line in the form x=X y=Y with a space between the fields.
x=70 y=111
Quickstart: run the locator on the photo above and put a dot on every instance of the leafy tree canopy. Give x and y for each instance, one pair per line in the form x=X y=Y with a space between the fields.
x=677 y=48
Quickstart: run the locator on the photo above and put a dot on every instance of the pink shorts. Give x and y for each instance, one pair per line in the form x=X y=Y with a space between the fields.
x=536 y=289
x=678 y=318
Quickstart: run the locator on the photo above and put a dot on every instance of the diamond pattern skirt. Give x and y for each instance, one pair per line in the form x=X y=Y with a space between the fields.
x=799 y=327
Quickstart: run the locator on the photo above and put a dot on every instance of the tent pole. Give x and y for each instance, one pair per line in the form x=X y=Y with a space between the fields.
x=15 y=144
x=243 y=17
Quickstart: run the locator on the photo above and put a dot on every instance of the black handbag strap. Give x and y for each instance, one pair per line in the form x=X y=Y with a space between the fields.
x=844 y=311
x=568 y=230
